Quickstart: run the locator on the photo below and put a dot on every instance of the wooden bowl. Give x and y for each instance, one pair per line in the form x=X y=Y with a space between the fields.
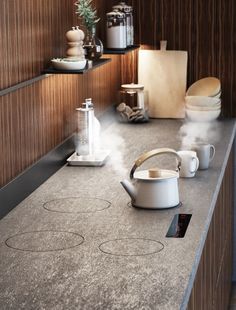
x=209 y=86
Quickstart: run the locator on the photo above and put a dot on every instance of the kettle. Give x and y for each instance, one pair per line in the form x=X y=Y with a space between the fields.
x=153 y=188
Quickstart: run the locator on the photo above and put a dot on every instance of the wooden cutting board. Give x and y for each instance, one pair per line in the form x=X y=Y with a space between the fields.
x=164 y=75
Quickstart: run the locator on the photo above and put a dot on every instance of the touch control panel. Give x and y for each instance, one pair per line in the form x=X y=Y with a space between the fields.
x=178 y=226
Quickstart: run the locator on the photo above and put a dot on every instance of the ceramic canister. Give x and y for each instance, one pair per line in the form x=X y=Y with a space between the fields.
x=116 y=30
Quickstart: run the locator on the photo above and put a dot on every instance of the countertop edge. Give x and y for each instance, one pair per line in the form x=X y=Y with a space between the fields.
x=208 y=222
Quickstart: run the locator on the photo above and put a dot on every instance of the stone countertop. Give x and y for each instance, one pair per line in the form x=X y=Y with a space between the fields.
x=55 y=245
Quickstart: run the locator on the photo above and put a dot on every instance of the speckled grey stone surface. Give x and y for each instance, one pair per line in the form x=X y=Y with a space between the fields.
x=84 y=277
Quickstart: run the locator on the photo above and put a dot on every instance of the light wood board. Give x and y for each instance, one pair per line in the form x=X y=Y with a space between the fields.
x=164 y=76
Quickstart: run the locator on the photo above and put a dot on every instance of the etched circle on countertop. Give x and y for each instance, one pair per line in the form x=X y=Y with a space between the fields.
x=77 y=205
x=44 y=241
x=131 y=247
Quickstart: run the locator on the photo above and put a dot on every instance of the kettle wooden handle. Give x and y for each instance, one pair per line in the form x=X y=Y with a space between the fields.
x=152 y=153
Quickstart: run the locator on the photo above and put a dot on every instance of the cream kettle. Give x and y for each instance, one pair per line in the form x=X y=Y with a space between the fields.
x=153 y=188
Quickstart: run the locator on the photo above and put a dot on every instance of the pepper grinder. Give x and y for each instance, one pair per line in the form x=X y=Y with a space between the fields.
x=75 y=39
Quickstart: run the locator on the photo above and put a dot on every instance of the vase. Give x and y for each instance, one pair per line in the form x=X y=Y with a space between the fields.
x=93 y=45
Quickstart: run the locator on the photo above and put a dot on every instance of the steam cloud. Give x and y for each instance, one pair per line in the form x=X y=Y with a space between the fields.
x=192 y=132
x=116 y=144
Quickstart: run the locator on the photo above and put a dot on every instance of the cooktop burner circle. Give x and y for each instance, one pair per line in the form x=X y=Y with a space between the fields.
x=44 y=241
x=131 y=247
x=77 y=205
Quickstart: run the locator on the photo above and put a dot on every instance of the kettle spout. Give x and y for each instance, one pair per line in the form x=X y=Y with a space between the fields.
x=130 y=189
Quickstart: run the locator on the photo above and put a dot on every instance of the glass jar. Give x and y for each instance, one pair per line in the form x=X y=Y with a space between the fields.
x=133 y=95
x=128 y=11
x=133 y=103
x=93 y=45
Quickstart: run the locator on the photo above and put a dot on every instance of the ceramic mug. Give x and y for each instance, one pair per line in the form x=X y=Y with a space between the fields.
x=205 y=153
x=189 y=164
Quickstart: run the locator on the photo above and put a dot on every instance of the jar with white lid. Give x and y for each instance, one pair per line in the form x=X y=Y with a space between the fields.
x=133 y=105
x=133 y=95
x=116 y=30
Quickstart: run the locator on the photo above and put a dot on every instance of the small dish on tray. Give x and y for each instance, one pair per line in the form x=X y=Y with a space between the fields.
x=68 y=64
x=97 y=159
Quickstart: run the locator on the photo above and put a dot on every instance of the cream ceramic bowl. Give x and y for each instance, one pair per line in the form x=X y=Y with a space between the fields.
x=209 y=86
x=217 y=95
x=64 y=64
x=202 y=116
x=196 y=108
x=202 y=101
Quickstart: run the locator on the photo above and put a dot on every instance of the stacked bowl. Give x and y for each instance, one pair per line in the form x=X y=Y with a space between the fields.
x=203 y=103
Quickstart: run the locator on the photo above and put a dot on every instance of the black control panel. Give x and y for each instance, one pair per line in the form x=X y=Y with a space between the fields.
x=179 y=226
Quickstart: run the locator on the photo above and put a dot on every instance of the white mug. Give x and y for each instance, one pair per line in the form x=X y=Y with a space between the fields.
x=189 y=164
x=205 y=153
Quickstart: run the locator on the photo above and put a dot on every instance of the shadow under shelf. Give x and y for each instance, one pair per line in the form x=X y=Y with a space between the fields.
x=120 y=51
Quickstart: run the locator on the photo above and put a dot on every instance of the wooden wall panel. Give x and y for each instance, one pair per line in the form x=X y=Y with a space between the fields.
x=35 y=119
x=32 y=32
x=213 y=281
x=206 y=29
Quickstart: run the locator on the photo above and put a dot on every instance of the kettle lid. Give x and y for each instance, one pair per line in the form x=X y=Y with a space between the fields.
x=155 y=174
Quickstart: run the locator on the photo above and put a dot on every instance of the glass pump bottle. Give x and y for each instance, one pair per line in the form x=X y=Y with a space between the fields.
x=88 y=136
x=84 y=141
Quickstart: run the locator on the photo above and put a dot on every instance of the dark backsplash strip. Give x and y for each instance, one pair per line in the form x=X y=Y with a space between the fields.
x=29 y=180
x=22 y=186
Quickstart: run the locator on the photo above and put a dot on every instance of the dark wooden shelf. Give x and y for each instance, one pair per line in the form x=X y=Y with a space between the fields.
x=94 y=64
x=120 y=51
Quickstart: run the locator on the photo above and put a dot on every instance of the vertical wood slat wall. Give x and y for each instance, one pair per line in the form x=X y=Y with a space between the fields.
x=206 y=29
x=35 y=119
x=32 y=32
x=212 y=286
